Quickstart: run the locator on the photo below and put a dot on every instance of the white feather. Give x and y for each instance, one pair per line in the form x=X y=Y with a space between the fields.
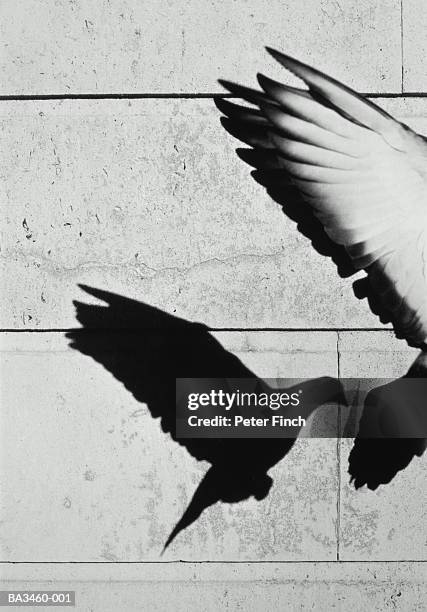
x=365 y=176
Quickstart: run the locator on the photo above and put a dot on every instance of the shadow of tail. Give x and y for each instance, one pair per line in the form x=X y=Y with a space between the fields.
x=219 y=484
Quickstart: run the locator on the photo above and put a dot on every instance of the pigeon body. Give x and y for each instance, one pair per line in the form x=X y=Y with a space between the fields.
x=362 y=173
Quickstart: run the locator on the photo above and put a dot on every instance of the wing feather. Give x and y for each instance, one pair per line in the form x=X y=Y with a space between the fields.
x=348 y=102
x=364 y=175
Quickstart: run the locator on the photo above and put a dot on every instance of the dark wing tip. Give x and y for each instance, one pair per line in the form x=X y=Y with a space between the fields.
x=100 y=294
x=229 y=85
x=253 y=96
x=274 y=53
x=264 y=80
x=269 y=85
x=226 y=107
x=301 y=70
x=286 y=60
x=84 y=287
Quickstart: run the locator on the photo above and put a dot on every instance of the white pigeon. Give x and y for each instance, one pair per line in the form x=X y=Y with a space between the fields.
x=364 y=175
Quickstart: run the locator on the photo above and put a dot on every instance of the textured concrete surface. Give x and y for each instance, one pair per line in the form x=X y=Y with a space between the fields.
x=387 y=523
x=414 y=18
x=117 y=500
x=148 y=46
x=87 y=473
x=390 y=521
x=148 y=198
x=370 y=355
x=253 y=587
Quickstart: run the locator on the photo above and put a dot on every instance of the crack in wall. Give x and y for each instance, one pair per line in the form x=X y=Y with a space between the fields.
x=141 y=267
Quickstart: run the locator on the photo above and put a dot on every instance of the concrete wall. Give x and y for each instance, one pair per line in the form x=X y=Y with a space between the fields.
x=146 y=197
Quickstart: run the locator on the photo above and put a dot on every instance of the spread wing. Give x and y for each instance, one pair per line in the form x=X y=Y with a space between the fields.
x=364 y=175
x=146 y=349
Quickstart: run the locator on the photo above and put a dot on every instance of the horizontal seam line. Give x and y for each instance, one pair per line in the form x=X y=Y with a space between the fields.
x=208 y=329
x=171 y=95
x=331 y=561
x=109 y=96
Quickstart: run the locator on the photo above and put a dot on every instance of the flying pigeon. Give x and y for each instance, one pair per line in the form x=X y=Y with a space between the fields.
x=362 y=173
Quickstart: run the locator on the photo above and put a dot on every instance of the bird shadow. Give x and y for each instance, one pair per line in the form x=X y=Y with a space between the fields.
x=391 y=430
x=147 y=349
x=376 y=456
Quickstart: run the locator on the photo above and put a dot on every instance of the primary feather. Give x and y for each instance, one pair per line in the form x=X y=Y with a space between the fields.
x=363 y=173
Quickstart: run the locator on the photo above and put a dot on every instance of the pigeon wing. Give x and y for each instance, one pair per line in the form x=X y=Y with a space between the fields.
x=365 y=176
